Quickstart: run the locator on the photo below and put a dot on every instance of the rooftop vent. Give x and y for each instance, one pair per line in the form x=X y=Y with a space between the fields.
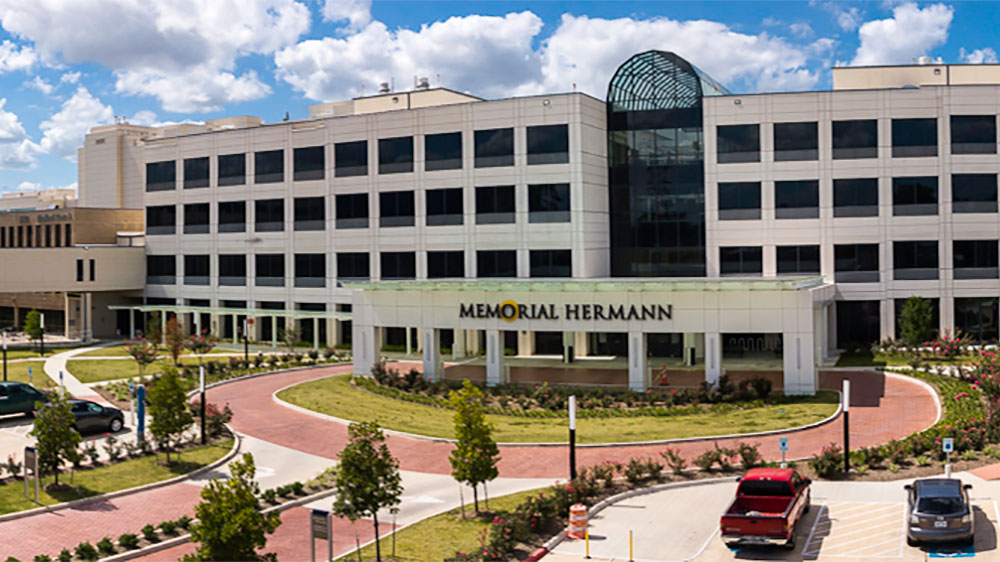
x=383 y=88
x=423 y=83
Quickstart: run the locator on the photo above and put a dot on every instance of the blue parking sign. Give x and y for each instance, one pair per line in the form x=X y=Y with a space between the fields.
x=948 y=445
x=783 y=444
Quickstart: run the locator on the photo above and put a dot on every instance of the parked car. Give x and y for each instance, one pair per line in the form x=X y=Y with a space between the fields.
x=92 y=417
x=19 y=398
x=769 y=503
x=939 y=511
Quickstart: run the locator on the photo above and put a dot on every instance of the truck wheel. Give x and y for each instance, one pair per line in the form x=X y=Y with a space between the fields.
x=808 y=503
x=911 y=542
x=790 y=544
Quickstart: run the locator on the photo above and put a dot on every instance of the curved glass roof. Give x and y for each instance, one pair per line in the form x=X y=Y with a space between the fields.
x=660 y=80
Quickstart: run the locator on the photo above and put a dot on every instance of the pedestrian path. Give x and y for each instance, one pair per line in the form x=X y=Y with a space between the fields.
x=55 y=368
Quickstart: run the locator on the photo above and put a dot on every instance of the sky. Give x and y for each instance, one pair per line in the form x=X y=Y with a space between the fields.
x=69 y=65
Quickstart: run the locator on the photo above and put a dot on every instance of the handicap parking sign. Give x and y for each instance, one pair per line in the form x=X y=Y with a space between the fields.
x=952 y=552
x=783 y=444
x=948 y=445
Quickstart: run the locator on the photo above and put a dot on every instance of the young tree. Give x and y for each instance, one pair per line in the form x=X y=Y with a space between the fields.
x=230 y=527
x=174 y=337
x=290 y=336
x=33 y=325
x=367 y=478
x=143 y=351
x=201 y=344
x=916 y=322
x=169 y=410
x=474 y=459
x=57 y=440
x=154 y=326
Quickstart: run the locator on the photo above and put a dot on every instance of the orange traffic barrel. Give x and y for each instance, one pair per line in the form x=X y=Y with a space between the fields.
x=577 y=521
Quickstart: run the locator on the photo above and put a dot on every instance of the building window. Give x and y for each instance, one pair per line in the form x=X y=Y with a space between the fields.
x=196 y=218
x=739 y=200
x=974 y=193
x=232 y=169
x=69 y=231
x=352 y=210
x=796 y=199
x=917 y=259
x=270 y=270
x=914 y=137
x=494 y=147
x=855 y=197
x=914 y=196
x=443 y=152
x=395 y=155
x=232 y=216
x=740 y=260
x=398 y=265
x=58 y=235
x=395 y=208
x=233 y=270
x=195 y=172
x=977 y=318
x=48 y=236
x=308 y=163
x=855 y=139
x=160 y=270
x=798 y=260
x=855 y=263
x=269 y=166
x=161 y=176
x=310 y=270
x=310 y=213
x=93 y=270
x=858 y=323
x=548 y=144
x=738 y=143
x=196 y=270
x=495 y=204
x=160 y=219
x=973 y=134
x=796 y=141
x=269 y=215
x=656 y=147
x=445 y=264
x=548 y=202
x=444 y=206
x=353 y=265
x=79 y=271
x=975 y=259
x=350 y=159
x=551 y=263
x=496 y=263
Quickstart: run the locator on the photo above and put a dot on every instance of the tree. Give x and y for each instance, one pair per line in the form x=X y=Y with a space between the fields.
x=143 y=351
x=168 y=408
x=367 y=478
x=174 y=338
x=201 y=344
x=290 y=337
x=916 y=322
x=230 y=527
x=33 y=325
x=57 y=440
x=154 y=326
x=474 y=459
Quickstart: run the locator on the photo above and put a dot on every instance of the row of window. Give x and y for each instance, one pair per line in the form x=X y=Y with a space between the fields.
x=309 y=270
x=858 y=197
x=859 y=263
x=970 y=134
x=37 y=236
x=546 y=144
x=547 y=203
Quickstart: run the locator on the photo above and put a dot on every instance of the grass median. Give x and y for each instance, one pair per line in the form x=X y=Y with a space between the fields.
x=335 y=396
x=97 y=370
x=18 y=372
x=111 y=478
x=122 y=351
x=867 y=359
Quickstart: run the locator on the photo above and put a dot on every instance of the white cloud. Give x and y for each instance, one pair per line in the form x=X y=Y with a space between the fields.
x=63 y=132
x=910 y=32
x=801 y=29
x=40 y=84
x=849 y=18
x=985 y=55
x=149 y=118
x=69 y=78
x=29 y=186
x=14 y=57
x=198 y=89
x=358 y=13
x=17 y=152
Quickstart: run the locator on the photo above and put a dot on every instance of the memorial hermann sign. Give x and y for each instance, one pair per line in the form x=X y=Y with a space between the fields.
x=510 y=311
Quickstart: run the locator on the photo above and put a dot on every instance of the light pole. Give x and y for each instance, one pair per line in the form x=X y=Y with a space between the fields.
x=246 y=341
x=201 y=376
x=572 y=437
x=4 y=332
x=41 y=337
x=847 y=432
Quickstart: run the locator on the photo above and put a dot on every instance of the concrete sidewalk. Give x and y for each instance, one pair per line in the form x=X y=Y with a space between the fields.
x=55 y=366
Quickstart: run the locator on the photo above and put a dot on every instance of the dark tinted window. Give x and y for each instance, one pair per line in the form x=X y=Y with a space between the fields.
x=974 y=193
x=196 y=266
x=195 y=172
x=974 y=253
x=494 y=147
x=310 y=265
x=269 y=166
x=232 y=265
x=308 y=163
x=914 y=196
x=798 y=259
x=196 y=218
x=445 y=264
x=161 y=176
x=973 y=134
x=352 y=210
x=310 y=213
x=444 y=206
x=796 y=199
x=232 y=169
x=443 y=151
x=917 y=259
x=496 y=263
x=395 y=208
x=856 y=263
x=353 y=265
x=270 y=266
x=161 y=270
x=232 y=216
x=740 y=260
x=914 y=137
x=551 y=263
x=350 y=159
x=269 y=215
x=548 y=144
x=765 y=488
x=399 y=265
x=940 y=506
x=739 y=200
x=738 y=143
x=855 y=139
x=855 y=197
x=977 y=317
x=796 y=141
x=395 y=155
x=495 y=204
x=160 y=219
x=548 y=202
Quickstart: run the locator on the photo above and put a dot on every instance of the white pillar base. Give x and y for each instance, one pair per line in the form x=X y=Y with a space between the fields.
x=713 y=357
x=433 y=366
x=638 y=372
x=495 y=372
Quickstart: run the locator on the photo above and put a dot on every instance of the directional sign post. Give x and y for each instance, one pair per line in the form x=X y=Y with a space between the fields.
x=140 y=401
x=783 y=447
x=31 y=379
x=320 y=527
x=947 y=446
x=30 y=463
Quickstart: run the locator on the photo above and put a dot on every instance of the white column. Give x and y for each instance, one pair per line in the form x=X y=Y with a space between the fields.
x=458 y=345
x=689 y=342
x=409 y=340
x=494 y=358
x=364 y=349
x=236 y=331
x=637 y=369
x=315 y=333
x=800 y=373
x=581 y=344
x=131 y=324
x=472 y=342
x=713 y=357
x=274 y=331
x=163 y=326
x=197 y=323
x=433 y=366
x=569 y=341
x=525 y=343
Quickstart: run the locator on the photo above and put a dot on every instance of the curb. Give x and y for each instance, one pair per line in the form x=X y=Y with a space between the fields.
x=829 y=419
x=928 y=387
x=193 y=393
x=237 y=441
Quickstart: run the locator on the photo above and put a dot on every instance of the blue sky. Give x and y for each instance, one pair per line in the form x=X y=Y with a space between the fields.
x=68 y=65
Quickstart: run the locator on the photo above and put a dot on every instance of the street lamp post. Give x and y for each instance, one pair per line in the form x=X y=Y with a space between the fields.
x=847 y=432
x=41 y=337
x=246 y=341
x=572 y=437
x=4 y=332
x=201 y=376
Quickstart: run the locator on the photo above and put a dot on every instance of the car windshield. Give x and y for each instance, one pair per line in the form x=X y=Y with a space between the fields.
x=940 y=506
x=765 y=488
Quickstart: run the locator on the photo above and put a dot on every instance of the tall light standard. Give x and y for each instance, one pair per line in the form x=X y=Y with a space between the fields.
x=572 y=437
x=201 y=376
x=41 y=337
x=847 y=431
x=4 y=332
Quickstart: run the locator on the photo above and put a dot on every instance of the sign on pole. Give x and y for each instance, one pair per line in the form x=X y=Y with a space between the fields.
x=30 y=378
x=783 y=447
x=320 y=527
x=62 y=387
x=30 y=462
x=140 y=401
x=948 y=445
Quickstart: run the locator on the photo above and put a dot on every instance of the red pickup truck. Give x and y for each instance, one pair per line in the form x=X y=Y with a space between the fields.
x=769 y=502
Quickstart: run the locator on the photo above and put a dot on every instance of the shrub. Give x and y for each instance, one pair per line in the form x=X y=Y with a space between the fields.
x=654 y=468
x=762 y=387
x=873 y=456
x=13 y=467
x=42 y=558
x=112 y=448
x=969 y=455
x=604 y=472
x=128 y=541
x=861 y=470
x=675 y=461
x=106 y=547
x=725 y=457
x=184 y=522
x=297 y=488
x=269 y=495
x=86 y=551
x=149 y=533
x=90 y=450
x=896 y=451
x=635 y=471
x=828 y=462
x=168 y=527
x=893 y=467
x=707 y=460
x=65 y=555
x=923 y=460
x=749 y=454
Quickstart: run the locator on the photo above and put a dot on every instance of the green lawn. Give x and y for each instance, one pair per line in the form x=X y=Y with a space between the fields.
x=336 y=397
x=122 y=351
x=866 y=359
x=96 y=370
x=439 y=537
x=19 y=372
x=102 y=480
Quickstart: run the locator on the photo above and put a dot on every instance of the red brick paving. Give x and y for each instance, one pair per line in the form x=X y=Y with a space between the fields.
x=988 y=472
